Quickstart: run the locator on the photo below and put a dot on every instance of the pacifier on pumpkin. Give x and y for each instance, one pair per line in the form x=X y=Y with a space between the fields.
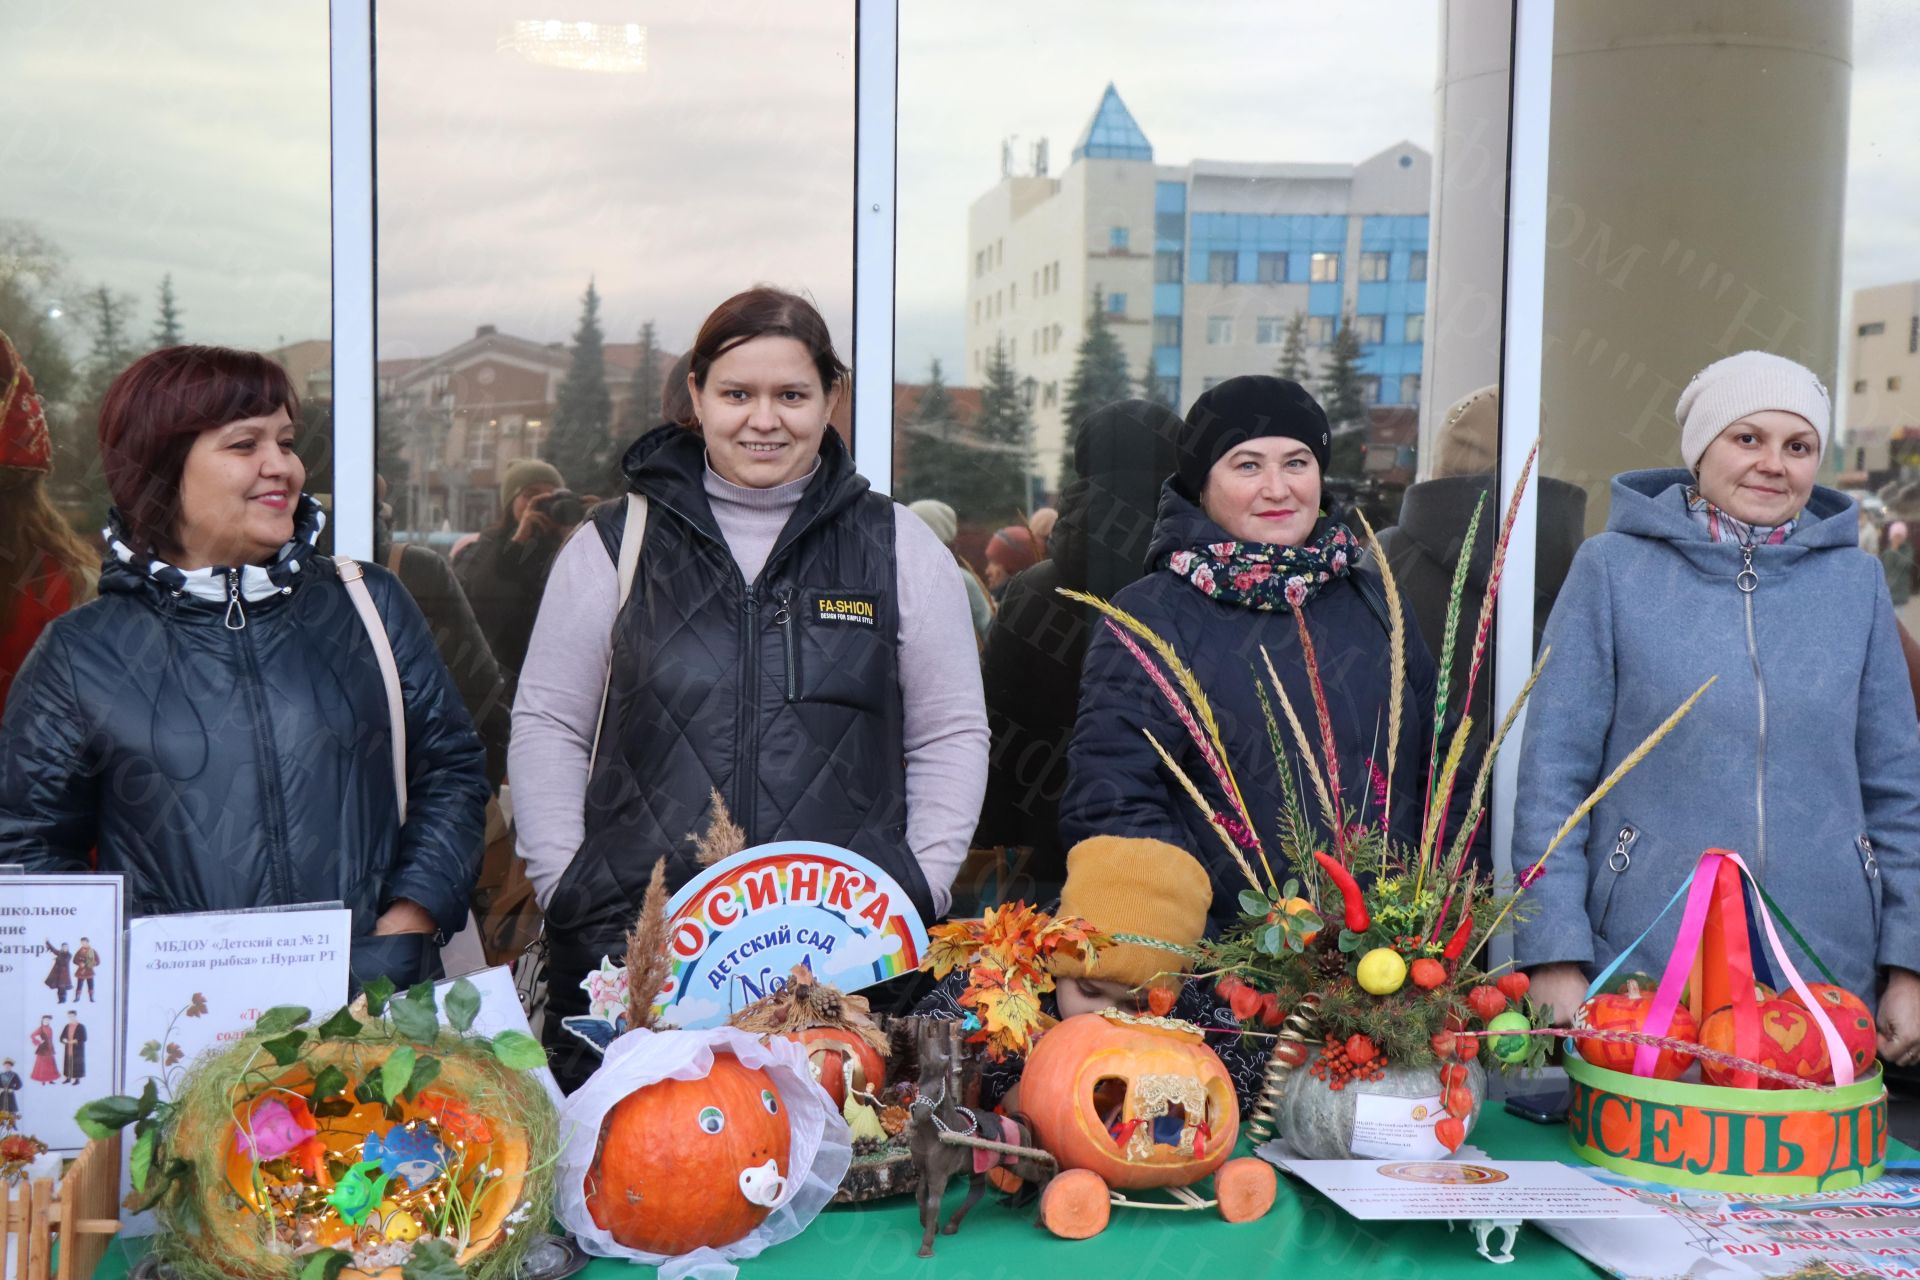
x=762 y=1184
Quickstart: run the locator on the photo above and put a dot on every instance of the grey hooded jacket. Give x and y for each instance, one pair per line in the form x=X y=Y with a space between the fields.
x=1804 y=757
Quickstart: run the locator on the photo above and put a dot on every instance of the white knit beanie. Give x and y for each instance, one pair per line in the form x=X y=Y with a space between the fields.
x=938 y=517
x=1728 y=390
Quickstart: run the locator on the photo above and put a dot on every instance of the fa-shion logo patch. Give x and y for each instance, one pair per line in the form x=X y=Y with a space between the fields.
x=846 y=608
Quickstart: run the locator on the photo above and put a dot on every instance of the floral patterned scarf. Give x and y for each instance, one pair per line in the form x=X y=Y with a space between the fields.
x=1261 y=575
x=1722 y=527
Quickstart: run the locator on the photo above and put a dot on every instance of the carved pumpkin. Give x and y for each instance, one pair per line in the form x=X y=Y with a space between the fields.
x=1140 y=1102
x=687 y=1163
x=1850 y=1018
x=1627 y=1011
x=829 y=1049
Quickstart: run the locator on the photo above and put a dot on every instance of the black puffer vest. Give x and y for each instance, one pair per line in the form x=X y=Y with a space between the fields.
x=783 y=695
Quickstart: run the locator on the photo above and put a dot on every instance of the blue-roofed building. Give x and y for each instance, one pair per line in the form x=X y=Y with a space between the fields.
x=1200 y=267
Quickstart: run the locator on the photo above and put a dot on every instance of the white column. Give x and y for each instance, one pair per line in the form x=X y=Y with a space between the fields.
x=351 y=76
x=876 y=102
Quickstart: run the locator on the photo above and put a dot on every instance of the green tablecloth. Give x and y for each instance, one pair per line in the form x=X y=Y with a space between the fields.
x=1304 y=1234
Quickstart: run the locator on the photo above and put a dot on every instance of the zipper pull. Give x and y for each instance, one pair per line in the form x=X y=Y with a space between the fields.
x=782 y=615
x=1620 y=859
x=1748 y=579
x=234 y=609
x=1868 y=862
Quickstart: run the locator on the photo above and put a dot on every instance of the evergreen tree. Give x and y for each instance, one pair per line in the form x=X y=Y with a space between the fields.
x=1099 y=376
x=930 y=458
x=581 y=443
x=991 y=483
x=108 y=315
x=1293 y=352
x=166 y=331
x=643 y=398
x=1346 y=405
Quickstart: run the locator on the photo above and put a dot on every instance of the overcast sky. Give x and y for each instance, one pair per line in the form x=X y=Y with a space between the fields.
x=193 y=139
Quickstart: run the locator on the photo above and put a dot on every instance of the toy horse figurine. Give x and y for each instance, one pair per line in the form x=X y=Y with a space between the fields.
x=948 y=1138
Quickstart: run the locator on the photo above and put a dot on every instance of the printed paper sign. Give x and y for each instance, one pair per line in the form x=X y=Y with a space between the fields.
x=199 y=982
x=1397 y=1128
x=1472 y=1188
x=59 y=1002
x=1867 y=1231
x=737 y=929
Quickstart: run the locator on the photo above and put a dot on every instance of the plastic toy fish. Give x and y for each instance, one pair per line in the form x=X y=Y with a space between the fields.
x=274 y=1130
x=454 y=1120
x=358 y=1192
x=407 y=1152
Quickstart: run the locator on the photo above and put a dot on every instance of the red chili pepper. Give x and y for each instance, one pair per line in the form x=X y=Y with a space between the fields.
x=1356 y=903
x=1458 y=942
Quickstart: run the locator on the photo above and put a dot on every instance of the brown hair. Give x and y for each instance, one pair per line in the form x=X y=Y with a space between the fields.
x=32 y=534
x=761 y=312
x=152 y=413
x=676 y=402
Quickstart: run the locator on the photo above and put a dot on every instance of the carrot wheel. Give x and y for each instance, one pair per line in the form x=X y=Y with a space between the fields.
x=1075 y=1205
x=1245 y=1188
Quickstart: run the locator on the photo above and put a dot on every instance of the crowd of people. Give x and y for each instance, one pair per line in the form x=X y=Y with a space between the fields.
x=209 y=706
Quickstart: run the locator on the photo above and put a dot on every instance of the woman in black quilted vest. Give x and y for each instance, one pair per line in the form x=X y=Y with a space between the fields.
x=794 y=644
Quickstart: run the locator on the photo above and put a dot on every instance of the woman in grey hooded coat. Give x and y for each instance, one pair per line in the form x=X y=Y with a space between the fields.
x=1804 y=756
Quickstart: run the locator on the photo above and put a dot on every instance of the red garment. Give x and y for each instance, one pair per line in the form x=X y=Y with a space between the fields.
x=43 y=1069
x=47 y=595
x=24 y=441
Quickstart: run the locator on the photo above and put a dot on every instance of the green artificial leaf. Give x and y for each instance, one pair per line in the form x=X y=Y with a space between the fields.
x=395 y=1072
x=329 y=1083
x=414 y=1015
x=286 y=1049
x=378 y=992
x=103 y=1117
x=149 y=1098
x=159 y=1182
x=425 y=1072
x=1270 y=940
x=1291 y=889
x=1254 y=903
x=463 y=1005
x=518 y=1050
x=282 y=1017
x=326 y=1264
x=1350 y=941
x=341 y=1026
x=332 y=1108
x=431 y=1260
x=150 y=1051
x=140 y=1162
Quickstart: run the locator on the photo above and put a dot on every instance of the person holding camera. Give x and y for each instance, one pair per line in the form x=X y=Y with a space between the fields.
x=505 y=572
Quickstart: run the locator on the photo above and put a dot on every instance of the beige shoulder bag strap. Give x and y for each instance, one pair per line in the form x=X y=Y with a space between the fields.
x=351 y=576
x=632 y=535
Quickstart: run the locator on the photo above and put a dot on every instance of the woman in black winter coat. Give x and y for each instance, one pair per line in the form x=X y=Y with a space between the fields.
x=214 y=727
x=1122 y=453
x=1241 y=543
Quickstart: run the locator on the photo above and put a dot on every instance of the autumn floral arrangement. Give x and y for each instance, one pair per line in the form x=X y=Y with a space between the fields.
x=1007 y=955
x=388 y=1139
x=1368 y=956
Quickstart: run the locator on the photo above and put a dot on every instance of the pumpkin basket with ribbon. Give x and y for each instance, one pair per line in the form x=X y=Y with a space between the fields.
x=1788 y=1099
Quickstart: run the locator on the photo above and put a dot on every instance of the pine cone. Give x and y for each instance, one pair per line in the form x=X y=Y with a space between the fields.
x=1330 y=964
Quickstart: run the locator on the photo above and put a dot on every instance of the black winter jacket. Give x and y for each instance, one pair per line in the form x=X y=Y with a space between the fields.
x=1118 y=786
x=219 y=768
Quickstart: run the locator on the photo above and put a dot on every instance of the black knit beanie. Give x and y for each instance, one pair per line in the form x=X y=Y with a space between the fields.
x=1247 y=408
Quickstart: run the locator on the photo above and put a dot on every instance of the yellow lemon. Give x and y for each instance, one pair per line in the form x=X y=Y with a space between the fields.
x=1381 y=971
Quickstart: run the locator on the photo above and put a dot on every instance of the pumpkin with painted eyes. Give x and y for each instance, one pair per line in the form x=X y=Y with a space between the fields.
x=686 y=1164
x=1141 y=1101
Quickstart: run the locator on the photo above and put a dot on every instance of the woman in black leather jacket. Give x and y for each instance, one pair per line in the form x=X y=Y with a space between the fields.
x=214 y=727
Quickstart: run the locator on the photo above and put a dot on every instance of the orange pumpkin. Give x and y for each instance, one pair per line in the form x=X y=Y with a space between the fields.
x=1850 y=1018
x=1627 y=1011
x=829 y=1049
x=1789 y=1041
x=686 y=1163
x=1140 y=1102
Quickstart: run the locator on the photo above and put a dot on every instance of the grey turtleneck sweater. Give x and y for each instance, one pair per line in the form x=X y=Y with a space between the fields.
x=945 y=718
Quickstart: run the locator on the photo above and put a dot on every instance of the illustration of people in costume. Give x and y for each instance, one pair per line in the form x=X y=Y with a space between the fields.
x=85 y=961
x=10 y=1086
x=73 y=1049
x=44 y=1072
x=60 y=975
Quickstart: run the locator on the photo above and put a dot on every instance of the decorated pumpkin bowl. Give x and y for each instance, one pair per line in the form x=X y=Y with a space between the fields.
x=288 y=1160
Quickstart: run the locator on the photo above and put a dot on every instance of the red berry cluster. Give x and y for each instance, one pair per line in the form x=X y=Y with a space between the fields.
x=1354 y=1059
